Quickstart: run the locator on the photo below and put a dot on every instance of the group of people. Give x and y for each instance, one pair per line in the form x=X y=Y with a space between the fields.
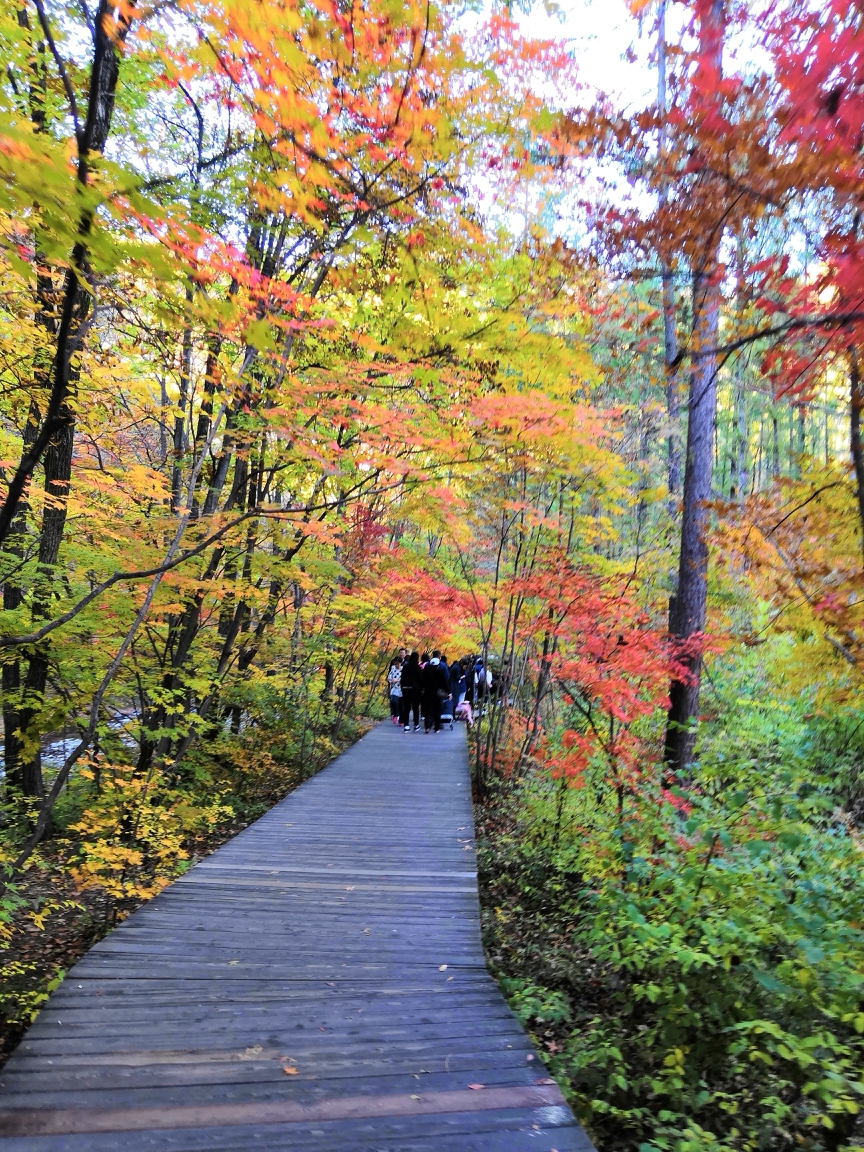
x=429 y=687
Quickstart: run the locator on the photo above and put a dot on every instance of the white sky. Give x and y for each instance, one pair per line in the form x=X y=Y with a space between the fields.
x=598 y=33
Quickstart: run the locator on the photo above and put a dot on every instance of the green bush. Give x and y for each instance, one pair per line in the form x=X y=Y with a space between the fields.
x=693 y=964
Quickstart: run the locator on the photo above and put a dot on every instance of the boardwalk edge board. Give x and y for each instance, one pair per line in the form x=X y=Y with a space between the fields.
x=67 y=1122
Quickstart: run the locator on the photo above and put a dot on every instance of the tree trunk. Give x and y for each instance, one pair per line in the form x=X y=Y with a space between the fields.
x=687 y=609
x=58 y=473
x=179 y=436
x=760 y=456
x=802 y=437
x=13 y=598
x=825 y=427
x=856 y=401
x=739 y=481
x=739 y=487
x=670 y=340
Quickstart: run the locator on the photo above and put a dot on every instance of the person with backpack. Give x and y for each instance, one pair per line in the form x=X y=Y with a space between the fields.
x=482 y=681
x=436 y=689
x=445 y=665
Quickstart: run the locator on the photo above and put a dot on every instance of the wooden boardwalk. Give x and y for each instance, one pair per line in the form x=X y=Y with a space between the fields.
x=317 y=985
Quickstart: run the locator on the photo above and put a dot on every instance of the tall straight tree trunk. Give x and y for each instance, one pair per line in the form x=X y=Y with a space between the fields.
x=13 y=598
x=739 y=482
x=179 y=437
x=670 y=341
x=761 y=472
x=856 y=402
x=687 y=614
x=687 y=610
x=58 y=474
x=825 y=431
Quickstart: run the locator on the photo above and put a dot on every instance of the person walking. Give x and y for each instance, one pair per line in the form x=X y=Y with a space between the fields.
x=481 y=685
x=436 y=688
x=394 y=684
x=445 y=712
x=424 y=660
x=468 y=668
x=457 y=682
x=410 y=685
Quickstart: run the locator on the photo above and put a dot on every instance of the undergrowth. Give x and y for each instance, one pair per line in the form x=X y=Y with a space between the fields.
x=692 y=963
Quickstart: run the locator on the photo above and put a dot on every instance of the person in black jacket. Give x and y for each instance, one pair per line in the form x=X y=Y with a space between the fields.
x=457 y=682
x=436 y=688
x=410 y=684
x=468 y=669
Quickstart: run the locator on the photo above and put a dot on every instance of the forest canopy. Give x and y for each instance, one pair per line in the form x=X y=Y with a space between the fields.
x=330 y=328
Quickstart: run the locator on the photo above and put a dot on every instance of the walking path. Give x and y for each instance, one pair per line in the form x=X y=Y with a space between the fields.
x=317 y=985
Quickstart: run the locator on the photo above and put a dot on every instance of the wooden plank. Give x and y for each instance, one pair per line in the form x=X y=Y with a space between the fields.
x=338 y=936
x=544 y=1130
x=48 y=1122
x=305 y=1089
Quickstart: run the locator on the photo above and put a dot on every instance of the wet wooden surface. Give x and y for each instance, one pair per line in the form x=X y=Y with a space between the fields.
x=317 y=985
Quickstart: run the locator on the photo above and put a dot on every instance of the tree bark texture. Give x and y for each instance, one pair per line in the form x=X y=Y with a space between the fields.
x=687 y=610
x=13 y=597
x=670 y=339
x=856 y=401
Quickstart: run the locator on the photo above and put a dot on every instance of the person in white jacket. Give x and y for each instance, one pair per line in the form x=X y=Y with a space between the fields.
x=394 y=688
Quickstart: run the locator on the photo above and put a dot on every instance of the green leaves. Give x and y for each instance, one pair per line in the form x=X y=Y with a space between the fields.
x=713 y=958
x=531 y=1003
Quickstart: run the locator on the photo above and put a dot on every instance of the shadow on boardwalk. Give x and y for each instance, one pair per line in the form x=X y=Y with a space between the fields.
x=317 y=984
